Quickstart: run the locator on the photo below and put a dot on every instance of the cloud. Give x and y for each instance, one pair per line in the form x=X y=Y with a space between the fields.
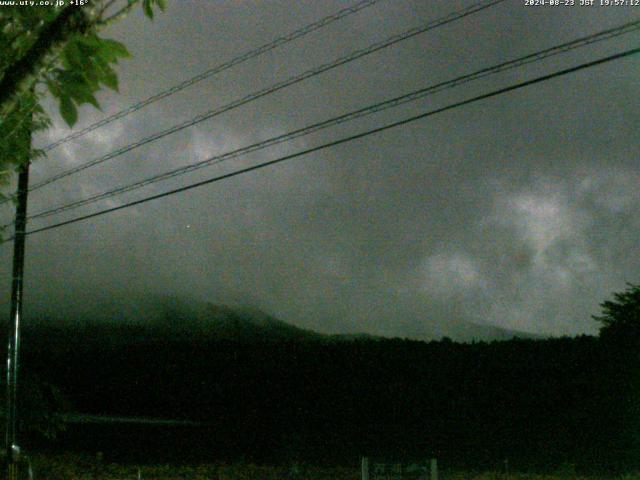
x=564 y=267
x=520 y=211
x=447 y=274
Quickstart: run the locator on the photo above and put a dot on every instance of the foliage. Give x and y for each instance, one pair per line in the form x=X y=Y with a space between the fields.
x=75 y=467
x=86 y=65
x=56 y=49
x=559 y=406
x=42 y=404
x=538 y=403
x=15 y=144
x=620 y=319
x=147 y=6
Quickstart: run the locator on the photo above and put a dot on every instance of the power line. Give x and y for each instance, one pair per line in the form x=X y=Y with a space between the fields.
x=410 y=97
x=278 y=42
x=343 y=140
x=276 y=87
x=209 y=73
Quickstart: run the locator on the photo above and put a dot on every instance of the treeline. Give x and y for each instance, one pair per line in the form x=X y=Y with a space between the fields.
x=537 y=403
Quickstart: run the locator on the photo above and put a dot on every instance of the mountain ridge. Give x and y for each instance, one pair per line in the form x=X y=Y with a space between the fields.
x=158 y=317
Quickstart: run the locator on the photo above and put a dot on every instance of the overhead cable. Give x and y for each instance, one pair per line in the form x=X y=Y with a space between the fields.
x=278 y=42
x=375 y=47
x=341 y=141
x=371 y=109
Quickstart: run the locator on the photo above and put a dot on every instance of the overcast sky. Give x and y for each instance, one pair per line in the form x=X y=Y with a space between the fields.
x=521 y=211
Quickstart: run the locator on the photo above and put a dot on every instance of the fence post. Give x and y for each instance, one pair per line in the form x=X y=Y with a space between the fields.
x=434 y=469
x=365 y=468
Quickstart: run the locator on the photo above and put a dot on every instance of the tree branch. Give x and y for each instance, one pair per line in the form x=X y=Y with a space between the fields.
x=123 y=11
x=106 y=7
x=17 y=75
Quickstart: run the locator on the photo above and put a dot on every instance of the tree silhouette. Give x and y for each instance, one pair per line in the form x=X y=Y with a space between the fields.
x=620 y=319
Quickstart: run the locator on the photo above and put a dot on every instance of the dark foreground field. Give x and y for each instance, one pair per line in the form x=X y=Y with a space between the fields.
x=79 y=467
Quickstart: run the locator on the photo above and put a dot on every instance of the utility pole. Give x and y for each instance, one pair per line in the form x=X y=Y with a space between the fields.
x=12 y=448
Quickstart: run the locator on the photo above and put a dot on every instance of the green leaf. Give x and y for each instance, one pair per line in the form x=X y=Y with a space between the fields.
x=146 y=7
x=110 y=80
x=37 y=153
x=70 y=82
x=80 y=85
x=111 y=50
x=84 y=95
x=68 y=110
x=162 y=4
x=53 y=87
x=70 y=55
x=108 y=77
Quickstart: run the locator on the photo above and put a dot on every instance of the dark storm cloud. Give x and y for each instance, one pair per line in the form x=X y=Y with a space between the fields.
x=520 y=211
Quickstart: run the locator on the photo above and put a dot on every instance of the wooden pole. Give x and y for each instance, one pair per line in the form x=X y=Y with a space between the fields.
x=365 y=468
x=434 y=469
x=15 y=316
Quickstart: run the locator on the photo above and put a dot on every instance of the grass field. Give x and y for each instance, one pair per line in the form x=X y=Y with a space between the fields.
x=75 y=467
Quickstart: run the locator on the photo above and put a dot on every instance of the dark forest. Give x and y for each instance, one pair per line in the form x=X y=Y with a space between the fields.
x=273 y=394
